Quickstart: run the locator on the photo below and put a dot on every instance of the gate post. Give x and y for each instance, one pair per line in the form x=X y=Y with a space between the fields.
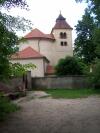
x=29 y=81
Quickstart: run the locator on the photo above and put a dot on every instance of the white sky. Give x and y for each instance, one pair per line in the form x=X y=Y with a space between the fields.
x=43 y=13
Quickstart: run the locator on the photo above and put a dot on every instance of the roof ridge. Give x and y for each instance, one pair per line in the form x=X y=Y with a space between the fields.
x=36 y=33
x=28 y=52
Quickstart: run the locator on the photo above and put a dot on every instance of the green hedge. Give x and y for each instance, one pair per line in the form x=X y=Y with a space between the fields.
x=6 y=107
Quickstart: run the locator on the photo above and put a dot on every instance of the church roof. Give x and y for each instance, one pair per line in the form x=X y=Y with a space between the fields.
x=36 y=33
x=27 y=53
x=61 y=23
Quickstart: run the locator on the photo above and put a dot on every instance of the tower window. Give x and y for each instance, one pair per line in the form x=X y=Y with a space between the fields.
x=63 y=44
x=63 y=35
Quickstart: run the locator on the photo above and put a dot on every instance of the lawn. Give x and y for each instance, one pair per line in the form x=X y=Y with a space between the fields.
x=72 y=93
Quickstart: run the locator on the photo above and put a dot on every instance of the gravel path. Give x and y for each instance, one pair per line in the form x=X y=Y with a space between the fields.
x=47 y=115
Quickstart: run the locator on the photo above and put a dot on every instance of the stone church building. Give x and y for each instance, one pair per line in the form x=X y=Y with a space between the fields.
x=44 y=50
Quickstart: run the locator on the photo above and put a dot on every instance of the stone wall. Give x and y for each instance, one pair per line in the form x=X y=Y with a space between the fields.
x=16 y=84
x=11 y=86
x=60 y=82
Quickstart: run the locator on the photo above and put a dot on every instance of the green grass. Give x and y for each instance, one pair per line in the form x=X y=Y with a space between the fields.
x=72 y=93
x=6 y=107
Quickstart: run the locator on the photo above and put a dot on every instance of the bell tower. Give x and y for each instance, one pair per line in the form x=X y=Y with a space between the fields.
x=62 y=32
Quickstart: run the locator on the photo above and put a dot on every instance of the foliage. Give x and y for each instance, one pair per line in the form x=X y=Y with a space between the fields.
x=89 y=47
x=72 y=93
x=96 y=40
x=95 y=8
x=7 y=46
x=18 y=69
x=69 y=66
x=95 y=75
x=8 y=38
x=85 y=48
x=6 y=107
x=13 y=3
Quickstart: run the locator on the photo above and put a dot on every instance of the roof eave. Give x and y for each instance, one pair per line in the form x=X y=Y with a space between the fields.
x=43 y=57
x=41 y=38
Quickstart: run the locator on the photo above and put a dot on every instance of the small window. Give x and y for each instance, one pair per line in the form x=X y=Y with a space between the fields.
x=64 y=35
x=65 y=43
x=61 y=35
x=61 y=43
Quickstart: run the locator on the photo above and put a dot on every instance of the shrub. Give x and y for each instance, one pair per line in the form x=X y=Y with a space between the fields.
x=70 y=66
x=6 y=107
x=95 y=75
x=18 y=69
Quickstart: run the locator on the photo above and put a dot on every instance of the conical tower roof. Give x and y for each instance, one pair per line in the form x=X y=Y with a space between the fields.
x=61 y=23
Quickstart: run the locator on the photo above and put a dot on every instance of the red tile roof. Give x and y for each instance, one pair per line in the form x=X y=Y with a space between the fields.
x=50 y=69
x=61 y=23
x=36 y=33
x=27 y=53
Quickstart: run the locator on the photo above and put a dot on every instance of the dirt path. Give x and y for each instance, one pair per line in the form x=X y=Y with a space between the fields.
x=47 y=115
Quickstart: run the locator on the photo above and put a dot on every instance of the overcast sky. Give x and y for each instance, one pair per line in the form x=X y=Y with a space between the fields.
x=43 y=13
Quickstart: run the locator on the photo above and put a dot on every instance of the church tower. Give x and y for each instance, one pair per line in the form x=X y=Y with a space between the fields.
x=62 y=32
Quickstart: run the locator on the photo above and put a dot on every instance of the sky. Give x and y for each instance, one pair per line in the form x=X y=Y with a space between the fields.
x=43 y=14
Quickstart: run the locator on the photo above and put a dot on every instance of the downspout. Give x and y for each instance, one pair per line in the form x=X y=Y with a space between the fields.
x=39 y=45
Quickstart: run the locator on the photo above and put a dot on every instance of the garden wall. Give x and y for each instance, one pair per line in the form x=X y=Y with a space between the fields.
x=16 y=84
x=69 y=82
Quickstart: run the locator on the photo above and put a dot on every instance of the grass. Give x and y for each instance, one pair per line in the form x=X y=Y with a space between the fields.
x=72 y=93
x=6 y=107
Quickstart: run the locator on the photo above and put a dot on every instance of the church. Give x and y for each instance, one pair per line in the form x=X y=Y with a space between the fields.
x=45 y=50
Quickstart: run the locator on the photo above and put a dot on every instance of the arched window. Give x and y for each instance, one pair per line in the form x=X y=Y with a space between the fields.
x=65 y=44
x=61 y=43
x=63 y=35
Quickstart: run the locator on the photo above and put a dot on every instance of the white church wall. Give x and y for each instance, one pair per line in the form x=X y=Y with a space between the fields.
x=33 y=43
x=44 y=47
x=36 y=72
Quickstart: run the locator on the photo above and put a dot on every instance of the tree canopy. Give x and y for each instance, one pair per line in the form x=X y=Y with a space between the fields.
x=8 y=38
x=87 y=43
x=69 y=66
x=84 y=45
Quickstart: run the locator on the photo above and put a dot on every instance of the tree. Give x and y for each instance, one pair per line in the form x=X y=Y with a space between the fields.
x=69 y=66
x=84 y=45
x=89 y=47
x=18 y=69
x=13 y=3
x=95 y=75
x=8 y=38
x=95 y=8
x=96 y=40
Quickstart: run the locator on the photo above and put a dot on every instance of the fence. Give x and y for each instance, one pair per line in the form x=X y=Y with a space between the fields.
x=60 y=82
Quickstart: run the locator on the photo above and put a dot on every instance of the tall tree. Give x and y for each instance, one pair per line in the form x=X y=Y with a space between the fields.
x=84 y=45
x=93 y=35
x=8 y=38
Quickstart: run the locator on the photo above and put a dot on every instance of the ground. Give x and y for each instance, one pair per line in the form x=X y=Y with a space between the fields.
x=47 y=115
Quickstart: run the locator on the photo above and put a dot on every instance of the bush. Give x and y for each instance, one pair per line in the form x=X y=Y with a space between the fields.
x=70 y=66
x=6 y=107
x=95 y=75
